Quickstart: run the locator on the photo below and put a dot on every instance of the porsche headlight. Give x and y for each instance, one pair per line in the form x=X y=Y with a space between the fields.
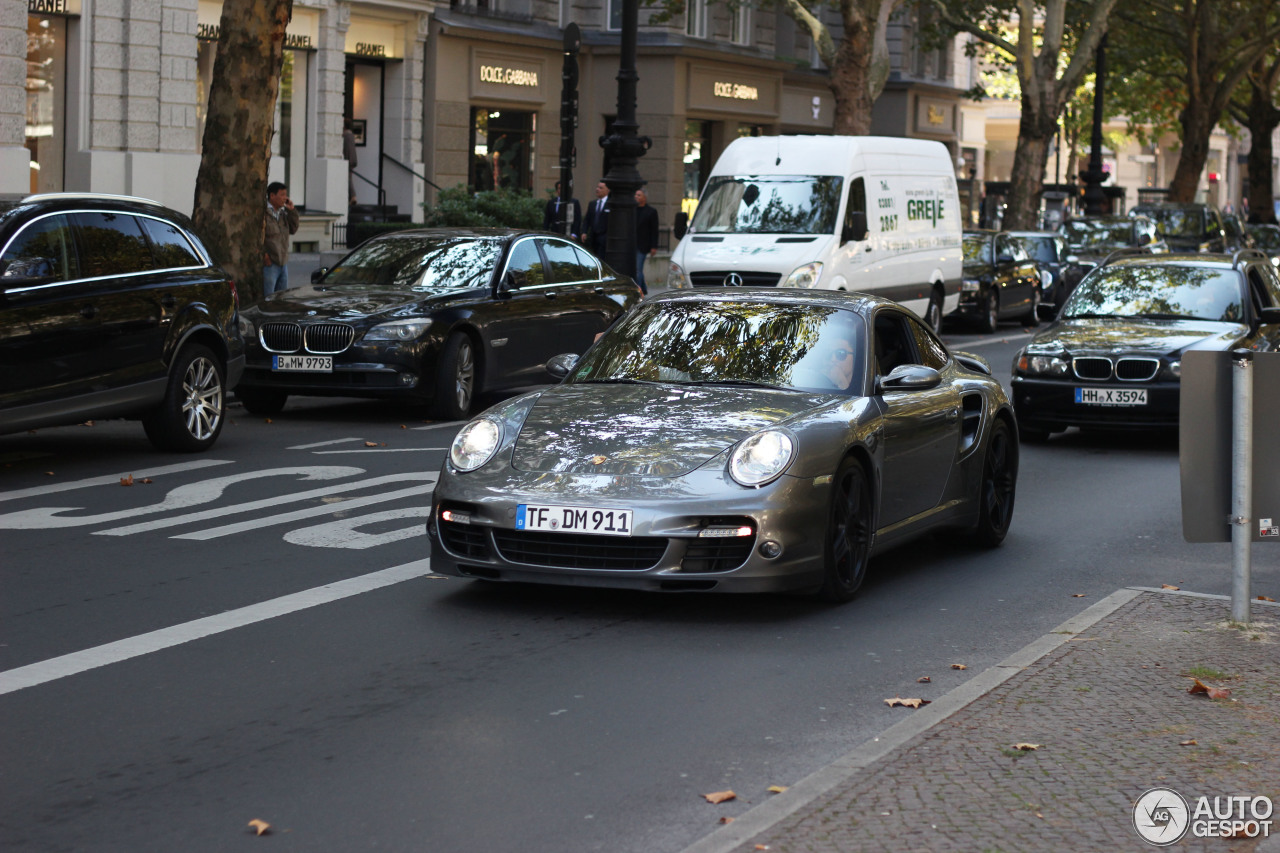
x=761 y=458
x=399 y=330
x=676 y=279
x=805 y=276
x=475 y=444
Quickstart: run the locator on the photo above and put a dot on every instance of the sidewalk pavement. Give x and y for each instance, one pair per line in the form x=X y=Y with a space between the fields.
x=1103 y=697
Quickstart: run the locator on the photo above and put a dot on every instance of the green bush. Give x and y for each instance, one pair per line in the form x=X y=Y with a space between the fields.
x=458 y=207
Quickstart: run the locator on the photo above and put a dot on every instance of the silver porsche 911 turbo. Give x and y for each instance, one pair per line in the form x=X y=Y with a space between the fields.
x=748 y=440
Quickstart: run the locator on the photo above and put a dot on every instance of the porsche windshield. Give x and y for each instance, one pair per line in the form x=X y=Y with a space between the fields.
x=1157 y=291
x=419 y=262
x=768 y=204
x=803 y=347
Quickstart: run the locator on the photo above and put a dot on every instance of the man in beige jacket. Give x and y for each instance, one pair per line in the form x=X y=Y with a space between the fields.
x=282 y=223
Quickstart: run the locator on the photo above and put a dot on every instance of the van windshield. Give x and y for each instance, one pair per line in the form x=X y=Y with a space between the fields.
x=769 y=204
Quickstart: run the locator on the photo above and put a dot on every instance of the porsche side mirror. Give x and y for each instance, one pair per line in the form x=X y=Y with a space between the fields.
x=316 y=275
x=1269 y=316
x=1047 y=311
x=910 y=377
x=560 y=365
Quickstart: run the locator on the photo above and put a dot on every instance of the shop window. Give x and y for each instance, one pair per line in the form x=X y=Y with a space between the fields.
x=502 y=149
x=697 y=162
x=46 y=95
x=750 y=130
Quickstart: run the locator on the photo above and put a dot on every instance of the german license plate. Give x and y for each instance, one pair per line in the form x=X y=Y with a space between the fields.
x=303 y=363
x=1111 y=396
x=574 y=519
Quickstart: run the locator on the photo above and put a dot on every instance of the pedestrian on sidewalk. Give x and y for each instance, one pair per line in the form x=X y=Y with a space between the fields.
x=595 y=222
x=562 y=215
x=646 y=235
x=282 y=223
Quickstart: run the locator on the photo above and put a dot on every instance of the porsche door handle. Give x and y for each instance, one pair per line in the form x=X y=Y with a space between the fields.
x=953 y=416
x=550 y=294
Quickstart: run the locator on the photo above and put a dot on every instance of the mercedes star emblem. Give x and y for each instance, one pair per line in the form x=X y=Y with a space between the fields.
x=733 y=279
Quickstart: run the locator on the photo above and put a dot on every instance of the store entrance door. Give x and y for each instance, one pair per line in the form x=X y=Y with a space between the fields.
x=363 y=108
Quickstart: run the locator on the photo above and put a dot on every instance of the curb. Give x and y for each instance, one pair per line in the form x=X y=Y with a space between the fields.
x=764 y=816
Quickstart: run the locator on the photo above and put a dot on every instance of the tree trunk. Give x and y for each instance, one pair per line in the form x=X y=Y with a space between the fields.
x=230 y=202
x=1263 y=119
x=1026 y=182
x=848 y=78
x=1197 y=125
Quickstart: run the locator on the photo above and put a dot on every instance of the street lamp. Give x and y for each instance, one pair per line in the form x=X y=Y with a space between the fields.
x=1095 y=201
x=624 y=148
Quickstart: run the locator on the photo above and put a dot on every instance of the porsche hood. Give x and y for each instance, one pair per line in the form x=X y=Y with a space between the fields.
x=654 y=430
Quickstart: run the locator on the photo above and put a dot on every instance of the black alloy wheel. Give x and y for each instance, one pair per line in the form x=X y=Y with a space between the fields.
x=190 y=417
x=849 y=533
x=261 y=401
x=456 y=381
x=996 y=492
x=991 y=312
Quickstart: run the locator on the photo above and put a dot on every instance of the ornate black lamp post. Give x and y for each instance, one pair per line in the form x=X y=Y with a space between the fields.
x=624 y=148
x=1095 y=201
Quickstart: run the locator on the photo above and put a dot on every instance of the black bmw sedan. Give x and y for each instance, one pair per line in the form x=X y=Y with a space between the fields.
x=435 y=316
x=1113 y=358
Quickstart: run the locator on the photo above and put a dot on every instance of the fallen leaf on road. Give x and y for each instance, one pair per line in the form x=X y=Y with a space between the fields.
x=1264 y=598
x=720 y=797
x=260 y=826
x=371 y=444
x=924 y=679
x=146 y=481
x=777 y=789
x=1211 y=692
x=48 y=473
x=1026 y=747
x=126 y=481
x=726 y=819
x=959 y=666
x=1078 y=595
x=762 y=846
x=1191 y=742
x=1169 y=586
x=402 y=426
x=87 y=423
x=266 y=420
x=907 y=703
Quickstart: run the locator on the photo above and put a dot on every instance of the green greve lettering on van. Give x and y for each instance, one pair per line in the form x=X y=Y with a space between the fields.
x=929 y=209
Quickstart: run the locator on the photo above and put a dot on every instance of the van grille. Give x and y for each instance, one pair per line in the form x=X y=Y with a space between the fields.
x=749 y=279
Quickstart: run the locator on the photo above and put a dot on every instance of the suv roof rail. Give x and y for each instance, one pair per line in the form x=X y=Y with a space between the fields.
x=92 y=196
x=1247 y=253
x=1126 y=251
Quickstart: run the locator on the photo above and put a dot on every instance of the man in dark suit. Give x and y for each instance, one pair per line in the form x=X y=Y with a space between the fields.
x=595 y=222
x=558 y=210
x=646 y=235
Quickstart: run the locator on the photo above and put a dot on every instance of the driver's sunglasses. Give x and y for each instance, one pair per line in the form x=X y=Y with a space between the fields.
x=841 y=354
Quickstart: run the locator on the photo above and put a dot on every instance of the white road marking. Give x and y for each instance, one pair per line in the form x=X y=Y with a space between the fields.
x=442 y=425
x=323 y=443
x=378 y=450
x=132 y=647
x=345 y=533
x=192 y=494
x=311 y=512
x=107 y=480
x=271 y=503
x=986 y=342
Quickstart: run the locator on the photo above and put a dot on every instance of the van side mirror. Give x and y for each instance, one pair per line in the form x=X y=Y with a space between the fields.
x=855 y=227
x=681 y=225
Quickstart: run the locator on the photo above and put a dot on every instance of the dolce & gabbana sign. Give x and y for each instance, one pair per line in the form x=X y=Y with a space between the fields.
x=506 y=77
x=737 y=91
x=727 y=89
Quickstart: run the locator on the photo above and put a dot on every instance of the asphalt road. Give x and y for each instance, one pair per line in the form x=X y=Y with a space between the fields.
x=255 y=634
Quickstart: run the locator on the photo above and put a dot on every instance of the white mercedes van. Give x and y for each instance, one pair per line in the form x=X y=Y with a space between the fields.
x=875 y=214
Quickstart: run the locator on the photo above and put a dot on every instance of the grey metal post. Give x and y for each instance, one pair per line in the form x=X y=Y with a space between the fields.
x=1241 y=483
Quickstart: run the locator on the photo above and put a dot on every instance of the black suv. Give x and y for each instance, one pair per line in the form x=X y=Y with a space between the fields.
x=1189 y=227
x=112 y=307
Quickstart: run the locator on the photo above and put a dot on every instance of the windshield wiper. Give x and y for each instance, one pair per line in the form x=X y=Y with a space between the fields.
x=615 y=380
x=1159 y=316
x=746 y=383
x=1091 y=315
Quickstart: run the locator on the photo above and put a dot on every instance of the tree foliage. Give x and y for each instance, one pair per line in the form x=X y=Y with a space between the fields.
x=1049 y=44
x=231 y=185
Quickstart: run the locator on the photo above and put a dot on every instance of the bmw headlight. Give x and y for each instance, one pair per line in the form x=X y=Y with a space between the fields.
x=246 y=328
x=1046 y=280
x=1042 y=361
x=676 y=279
x=398 y=330
x=761 y=458
x=805 y=276
x=475 y=444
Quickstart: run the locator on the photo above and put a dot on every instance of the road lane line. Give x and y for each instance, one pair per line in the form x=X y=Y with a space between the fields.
x=378 y=450
x=266 y=503
x=323 y=443
x=311 y=512
x=441 y=425
x=132 y=647
x=986 y=342
x=107 y=480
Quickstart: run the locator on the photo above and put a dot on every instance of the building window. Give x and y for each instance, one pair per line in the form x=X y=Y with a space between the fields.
x=696 y=18
x=697 y=163
x=750 y=130
x=615 y=15
x=740 y=24
x=501 y=149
